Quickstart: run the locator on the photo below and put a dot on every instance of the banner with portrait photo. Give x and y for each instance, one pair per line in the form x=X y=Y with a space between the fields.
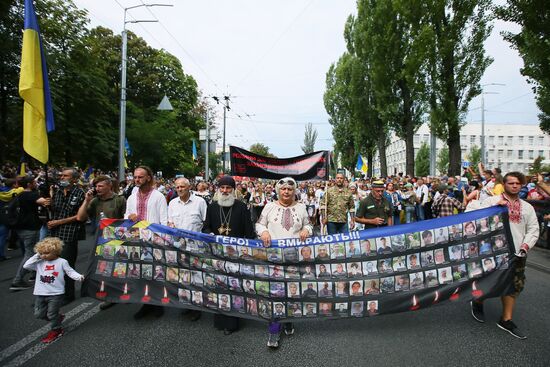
x=312 y=166
x=357 y=274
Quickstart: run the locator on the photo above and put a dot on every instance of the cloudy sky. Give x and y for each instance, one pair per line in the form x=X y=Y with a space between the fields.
x=272 y=57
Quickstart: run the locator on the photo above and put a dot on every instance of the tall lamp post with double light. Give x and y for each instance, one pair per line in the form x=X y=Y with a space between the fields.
x=483 y=146
x=122 y=132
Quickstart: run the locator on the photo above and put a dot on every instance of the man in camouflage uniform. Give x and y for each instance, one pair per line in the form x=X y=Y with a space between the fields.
x=337 y=202
x=374 y=210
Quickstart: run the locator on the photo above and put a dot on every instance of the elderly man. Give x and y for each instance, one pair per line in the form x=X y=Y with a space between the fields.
x=148 y=204
x=337 y=202
x=187 y=211
x=284 y=218
x=228 y=217
x=374 y=210
x=64 y=223
x=525 y=233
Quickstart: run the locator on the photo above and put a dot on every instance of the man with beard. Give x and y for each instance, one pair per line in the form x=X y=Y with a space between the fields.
x=148 y=204
x=228 y=217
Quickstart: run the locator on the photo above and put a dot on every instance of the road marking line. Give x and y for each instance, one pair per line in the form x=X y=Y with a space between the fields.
x=18 y=361
x=38 y=333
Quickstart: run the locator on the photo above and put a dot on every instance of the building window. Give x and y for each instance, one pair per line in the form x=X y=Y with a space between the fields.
x=520 y=140
x=541 y=140
x=416 y=139
x=462 y=139
x=531 y=154
x=508 y=154
x=500 y=140
x=509 y=140
x=500 y=154
x=541 y=154
x=472 y=139
x=531 y=140
x=520 y=154
x=491 y=140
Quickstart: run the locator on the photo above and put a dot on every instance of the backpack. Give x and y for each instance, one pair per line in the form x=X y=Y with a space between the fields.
x=10 y=212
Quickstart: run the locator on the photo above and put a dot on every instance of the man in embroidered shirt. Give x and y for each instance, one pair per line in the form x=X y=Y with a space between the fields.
x=525 y=232
x=148 y=204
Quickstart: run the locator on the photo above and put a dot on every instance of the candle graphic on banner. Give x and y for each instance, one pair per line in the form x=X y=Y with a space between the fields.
x=455 y=295
x=101 y=293
x=125 y=296
x=146 y=297
x=476 y=292
x=415 y=304
x=165 y=299
x=436 y=298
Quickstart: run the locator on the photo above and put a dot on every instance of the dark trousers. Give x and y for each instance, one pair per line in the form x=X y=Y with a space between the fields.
x=47 y=308
x=222 y=322
x=69 y=253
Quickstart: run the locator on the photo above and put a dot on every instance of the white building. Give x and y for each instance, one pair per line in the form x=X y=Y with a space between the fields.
x=510 y=147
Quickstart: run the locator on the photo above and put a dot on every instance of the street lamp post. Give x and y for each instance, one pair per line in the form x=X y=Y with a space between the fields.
x=483 y=148
x=122 y=132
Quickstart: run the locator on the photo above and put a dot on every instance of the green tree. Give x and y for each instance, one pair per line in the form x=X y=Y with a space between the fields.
x=474 y=156
x=538 y=167
x=455 y=63
x=261 y=149
x=310 y=137
x=533 y=16
x=422 y=160
x=443 y=160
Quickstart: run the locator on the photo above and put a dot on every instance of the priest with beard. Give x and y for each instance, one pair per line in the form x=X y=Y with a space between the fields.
x=228 y=217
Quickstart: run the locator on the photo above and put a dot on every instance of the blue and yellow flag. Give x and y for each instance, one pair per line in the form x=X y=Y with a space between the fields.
x=35 y=90
x=195 y=155
x=361 y=165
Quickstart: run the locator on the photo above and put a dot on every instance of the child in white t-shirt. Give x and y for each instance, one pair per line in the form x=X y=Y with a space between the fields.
x=49 y=287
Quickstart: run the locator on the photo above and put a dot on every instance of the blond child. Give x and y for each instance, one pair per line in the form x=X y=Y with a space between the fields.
x=49 y=287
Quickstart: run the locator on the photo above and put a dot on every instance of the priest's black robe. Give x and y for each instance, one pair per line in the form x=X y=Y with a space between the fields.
x=241 y=226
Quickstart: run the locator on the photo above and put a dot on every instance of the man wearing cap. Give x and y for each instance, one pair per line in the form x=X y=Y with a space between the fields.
x=228 y=217
x=338 y=201
x=444 y=205
x=374 y=210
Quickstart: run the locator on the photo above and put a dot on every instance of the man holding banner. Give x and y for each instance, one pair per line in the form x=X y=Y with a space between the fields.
x=525 y=232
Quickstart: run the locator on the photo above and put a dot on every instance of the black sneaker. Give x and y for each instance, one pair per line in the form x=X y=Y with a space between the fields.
x=288 y=328
x=510 y=327
x=19 y=286
x=477 y=311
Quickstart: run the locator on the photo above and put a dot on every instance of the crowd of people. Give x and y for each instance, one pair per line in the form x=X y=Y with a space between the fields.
x=38 y=208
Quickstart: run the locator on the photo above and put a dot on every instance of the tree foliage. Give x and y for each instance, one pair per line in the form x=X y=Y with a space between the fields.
x=261 y=149
x=84 y=74
x=538 y=167
x=474 y=156
x=533 y=16
x=422 y=160
x=443 y=160
x=310 y=137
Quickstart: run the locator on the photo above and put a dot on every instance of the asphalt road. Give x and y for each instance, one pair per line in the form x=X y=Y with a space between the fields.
x=440 y=336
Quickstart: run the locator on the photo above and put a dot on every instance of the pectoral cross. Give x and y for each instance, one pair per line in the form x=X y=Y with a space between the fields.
x=225 y=229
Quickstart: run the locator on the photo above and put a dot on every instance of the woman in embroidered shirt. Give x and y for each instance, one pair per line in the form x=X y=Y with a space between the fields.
x=284 y=218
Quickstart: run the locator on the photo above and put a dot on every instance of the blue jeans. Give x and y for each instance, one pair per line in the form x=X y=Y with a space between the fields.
x=396 y=218
x=420 y=215
x=409 y=214
x=335 y=227
x=47 y=308
x=3 y=238
x=27 y=239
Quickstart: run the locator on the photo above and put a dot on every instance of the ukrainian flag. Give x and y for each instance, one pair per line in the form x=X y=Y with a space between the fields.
x=361 y=164
x=35 y=90
x=195 y=155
